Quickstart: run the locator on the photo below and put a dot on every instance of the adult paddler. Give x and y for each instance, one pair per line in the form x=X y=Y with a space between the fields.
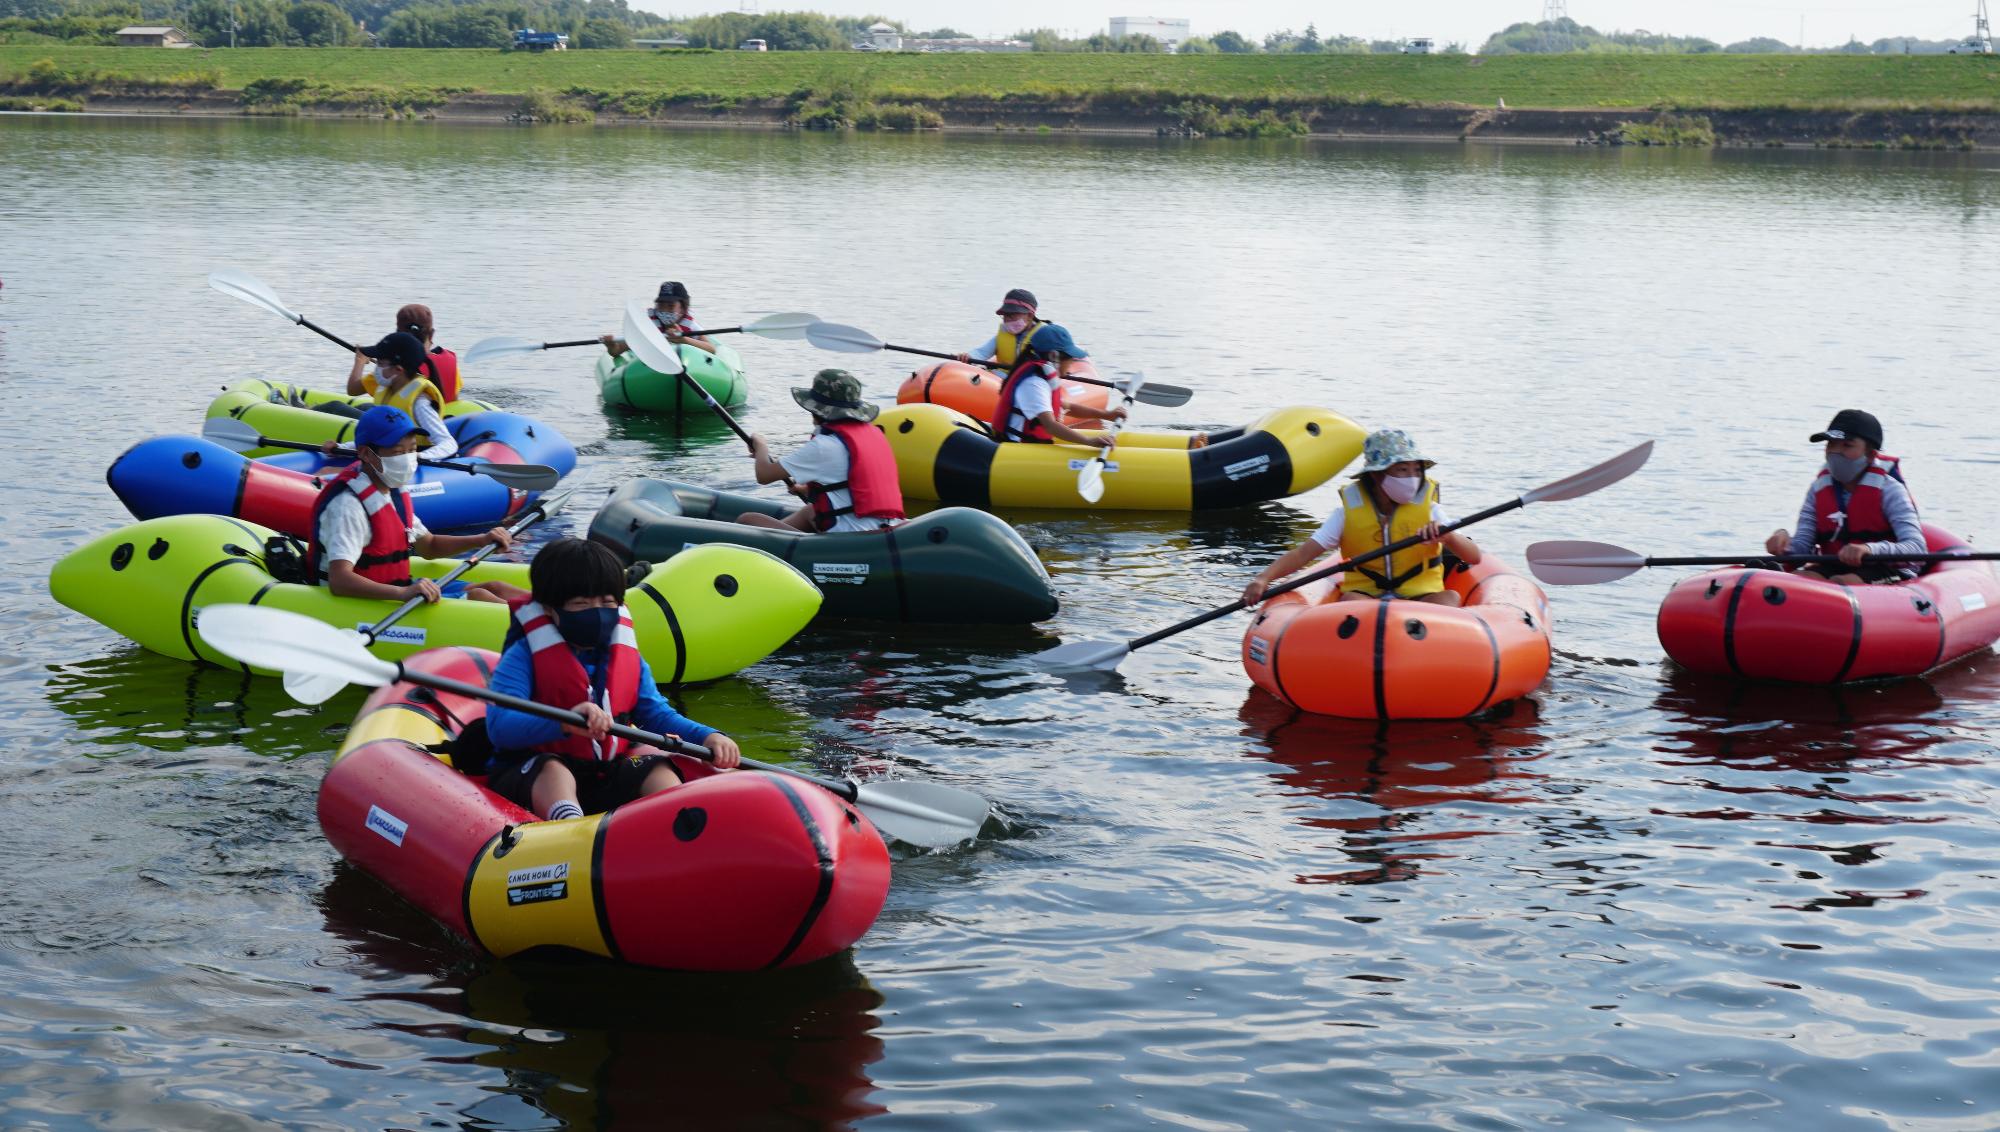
x=846 y=473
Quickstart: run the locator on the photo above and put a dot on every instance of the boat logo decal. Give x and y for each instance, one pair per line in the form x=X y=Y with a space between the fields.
x=1078 y=464
x=391 y=827
x=538 y=883
x=845 y=573
x=1241 y=468
x=428 y=487
x=1970 y=602
x=1257 y=650
x=395 y=634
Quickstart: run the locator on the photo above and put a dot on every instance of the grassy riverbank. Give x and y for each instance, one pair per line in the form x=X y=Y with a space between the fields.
x=1292 y=82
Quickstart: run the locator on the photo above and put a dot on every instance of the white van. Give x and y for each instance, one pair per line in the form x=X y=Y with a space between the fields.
x=753 y=45
x=1417 y=47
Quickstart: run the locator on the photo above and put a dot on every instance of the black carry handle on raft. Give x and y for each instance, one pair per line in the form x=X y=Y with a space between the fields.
x=1565 y=563
x=1107 y=654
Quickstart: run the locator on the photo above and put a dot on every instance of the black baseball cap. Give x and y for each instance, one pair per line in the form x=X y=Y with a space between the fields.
x=671 y=292
x=1851 y=424
x=1018 y=301
x=398 y=349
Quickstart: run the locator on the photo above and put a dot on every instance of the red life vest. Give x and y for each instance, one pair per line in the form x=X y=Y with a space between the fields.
x=561 y=681
x=873 y=490
x=1031 y=431
x=386 y=558
x=442 y=365
x=685 y=325
x=1862 y=519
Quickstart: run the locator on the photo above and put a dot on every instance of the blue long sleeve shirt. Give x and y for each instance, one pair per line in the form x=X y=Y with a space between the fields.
x=511 y=730
x=1896 y=507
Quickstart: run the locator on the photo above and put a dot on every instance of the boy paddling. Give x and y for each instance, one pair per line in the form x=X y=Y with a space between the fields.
x=1856 y=507
x=846 y=473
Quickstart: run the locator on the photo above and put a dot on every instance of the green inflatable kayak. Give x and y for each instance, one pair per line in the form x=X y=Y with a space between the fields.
x=630 y=383
x=703 y=616
x=953 y=566
x=308 y=416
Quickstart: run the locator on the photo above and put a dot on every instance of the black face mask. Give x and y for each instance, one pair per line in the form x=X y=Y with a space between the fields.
x=587 y=628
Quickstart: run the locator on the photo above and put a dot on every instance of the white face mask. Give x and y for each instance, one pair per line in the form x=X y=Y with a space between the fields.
x=1013 y=325
x=397 y=470
x=1402 y=489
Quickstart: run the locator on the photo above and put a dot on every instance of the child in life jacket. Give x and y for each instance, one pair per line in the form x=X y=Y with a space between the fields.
x=576 y=651
x=1392 y=498
x=440 y=364
x=364 y=528
x=1031 y=402
x=846 y=473
x=1018 y=320
x=671 y=314
x=401 y=380
x=1857 y=506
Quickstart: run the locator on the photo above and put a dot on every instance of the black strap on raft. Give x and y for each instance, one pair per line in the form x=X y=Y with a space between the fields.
x=285 y=560
x=470 y=750
x=338 y=409
x=1390 y=585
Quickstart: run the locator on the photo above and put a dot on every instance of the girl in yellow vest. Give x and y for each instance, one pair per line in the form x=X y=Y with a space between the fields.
x=1392 y=499
x=399 y=381
x=1018 y=323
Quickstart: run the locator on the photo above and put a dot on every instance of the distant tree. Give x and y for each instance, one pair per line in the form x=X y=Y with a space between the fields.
x=942 y=33
x=1453 y=48
x=1232 y=43
x=1195 y=45
x=1281 y=42
x=1046 y=39
x=317 y=23
x=599 y=33
x=1309 y=42
x=1568 y=35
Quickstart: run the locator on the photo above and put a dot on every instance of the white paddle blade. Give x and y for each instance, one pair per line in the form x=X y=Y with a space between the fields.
x=1100 y=655
x=243 y=285
x=1592 y=479
x=312 y=687
x=1090 y=481
x=842 y=339
x=486 y=349
x=790 y=326
x=1564 y=563
x=646 y=341
x=281 y=641
x=232 y=434
x=923 y=813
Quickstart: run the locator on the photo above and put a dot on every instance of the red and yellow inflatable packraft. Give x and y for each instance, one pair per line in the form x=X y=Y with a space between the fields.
x=1390 y=659
x=1770 y=625
x=975 y=390
x=731 y=871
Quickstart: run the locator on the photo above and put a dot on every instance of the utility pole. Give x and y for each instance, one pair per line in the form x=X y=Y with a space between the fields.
x=1555 y=37
x=232 y=25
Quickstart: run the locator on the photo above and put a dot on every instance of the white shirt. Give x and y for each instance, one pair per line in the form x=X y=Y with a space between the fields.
x=1328 y=534
x=823 y=459
x=1032 y=397
x=343 y=529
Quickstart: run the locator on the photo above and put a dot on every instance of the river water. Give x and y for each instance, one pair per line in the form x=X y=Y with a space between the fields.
x=1631 y=898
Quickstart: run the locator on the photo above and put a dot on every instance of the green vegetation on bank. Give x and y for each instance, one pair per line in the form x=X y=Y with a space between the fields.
x=1229 y=84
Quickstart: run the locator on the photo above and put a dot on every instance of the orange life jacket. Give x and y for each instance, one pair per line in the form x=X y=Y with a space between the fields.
x=873 y=489
x=386 y=557
x=443 y=367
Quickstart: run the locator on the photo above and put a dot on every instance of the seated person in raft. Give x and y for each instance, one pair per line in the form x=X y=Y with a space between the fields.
x=671 y=315
x=441 y=364
x=1031 y=406
x=401 y=381
x=1018 y=322
x=1391 y=499
x=1856 y=507
x=846 y=473
x=576 y=650
x=364 y=528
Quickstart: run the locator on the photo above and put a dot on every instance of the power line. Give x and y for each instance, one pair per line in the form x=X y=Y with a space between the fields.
x=1555 y=26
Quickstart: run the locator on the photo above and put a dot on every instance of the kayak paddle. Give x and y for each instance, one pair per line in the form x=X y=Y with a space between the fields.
x=920 y=813
x=1090 y=481
x=1563 y=563
x=1107 y=654
x=237 y=436
x=854 y=340
x=790 y=325
x=243 y=285
x=318 y=687
x=653 y=349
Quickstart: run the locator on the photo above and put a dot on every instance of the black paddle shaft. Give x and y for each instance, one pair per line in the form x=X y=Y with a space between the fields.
x=997 y=367
x=720 y=411
x=1322 y=572
x=1814 y=559
x=847 y=790
x=329 y=335
x=535 y=515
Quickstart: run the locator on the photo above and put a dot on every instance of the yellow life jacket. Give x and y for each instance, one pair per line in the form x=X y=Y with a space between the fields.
x=1007 y=347
x=1406 y=573
x=406 y=397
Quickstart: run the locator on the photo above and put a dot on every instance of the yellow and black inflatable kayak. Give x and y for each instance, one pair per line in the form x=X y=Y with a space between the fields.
x=943 y=454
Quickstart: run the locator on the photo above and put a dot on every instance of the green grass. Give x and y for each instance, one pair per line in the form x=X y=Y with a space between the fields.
x=1284 y=83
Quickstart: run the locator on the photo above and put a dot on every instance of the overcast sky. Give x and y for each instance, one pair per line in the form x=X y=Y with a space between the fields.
x=1469 y=21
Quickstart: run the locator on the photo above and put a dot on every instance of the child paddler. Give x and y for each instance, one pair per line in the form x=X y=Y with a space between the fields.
x=364 y=528
x=846 y=473
x=1018 y=320
x=440 y=363
x=1031 y=402
x=1391 y=499
x=401 y=380
x=1857 y=506
x=576 y=650
x=672 y=314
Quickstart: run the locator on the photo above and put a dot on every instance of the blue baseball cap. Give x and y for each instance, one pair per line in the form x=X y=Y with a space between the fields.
x=1049 y=338
x=384 y=427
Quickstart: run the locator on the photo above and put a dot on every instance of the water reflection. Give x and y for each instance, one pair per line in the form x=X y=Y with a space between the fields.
x=1403 y=774
x=133 y=696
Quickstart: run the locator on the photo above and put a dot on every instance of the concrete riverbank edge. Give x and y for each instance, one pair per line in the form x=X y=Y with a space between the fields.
x=1887 y=128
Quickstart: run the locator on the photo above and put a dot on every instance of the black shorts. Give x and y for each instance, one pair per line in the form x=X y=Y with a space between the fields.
x=600 y=786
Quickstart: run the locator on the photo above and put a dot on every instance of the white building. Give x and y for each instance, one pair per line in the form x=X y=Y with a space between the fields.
x=882 y=37
x=1171 y=32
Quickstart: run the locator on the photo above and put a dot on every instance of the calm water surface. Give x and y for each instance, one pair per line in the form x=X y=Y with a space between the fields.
x=1631 y=898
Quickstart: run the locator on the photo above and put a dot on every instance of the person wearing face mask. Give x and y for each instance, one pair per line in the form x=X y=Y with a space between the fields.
x=1031 y=406
x=364 y=529
x=1018 y=321
x=400 y=381
x=1857 y=506
x=1391 y=499
x=572 y=647
x=671 y=315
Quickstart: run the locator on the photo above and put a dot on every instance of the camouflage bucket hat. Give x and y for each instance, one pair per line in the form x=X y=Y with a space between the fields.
x=1387 y=446
x=835 y=396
